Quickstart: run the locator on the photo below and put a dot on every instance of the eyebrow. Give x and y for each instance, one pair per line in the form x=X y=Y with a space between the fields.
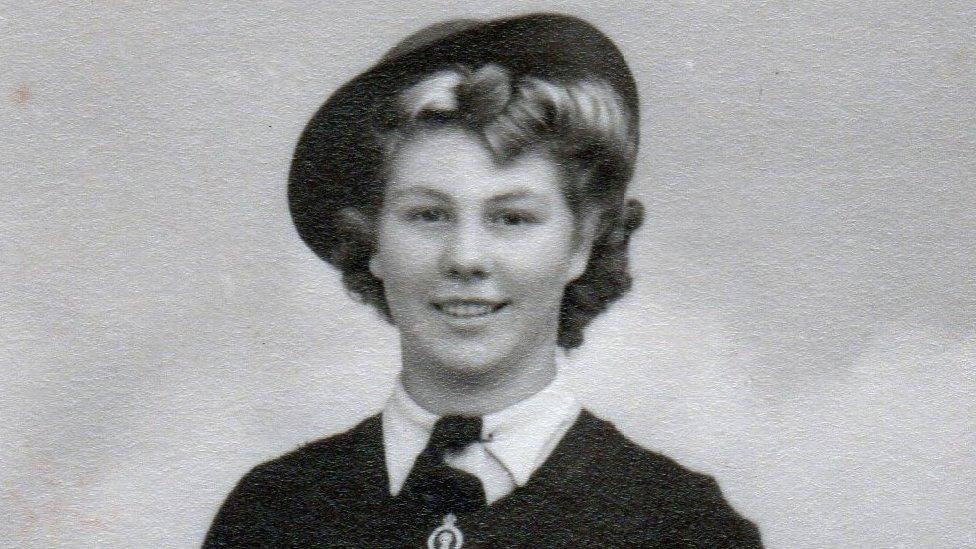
x=515 y=195
x=419 y=190
x=509 y=196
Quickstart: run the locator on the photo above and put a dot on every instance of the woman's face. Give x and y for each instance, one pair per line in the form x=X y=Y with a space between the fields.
x=474 y=256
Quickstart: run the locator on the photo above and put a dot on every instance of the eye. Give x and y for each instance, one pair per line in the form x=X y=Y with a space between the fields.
x=428 y=214
x=514 y=217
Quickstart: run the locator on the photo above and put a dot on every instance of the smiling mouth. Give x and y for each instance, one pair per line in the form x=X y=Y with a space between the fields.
x=469 y=308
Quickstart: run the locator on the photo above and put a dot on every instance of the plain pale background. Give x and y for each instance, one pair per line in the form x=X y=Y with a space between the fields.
x=802 y=324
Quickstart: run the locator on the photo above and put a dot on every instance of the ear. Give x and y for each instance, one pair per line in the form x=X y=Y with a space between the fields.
x=374 y=268
x=586 y=231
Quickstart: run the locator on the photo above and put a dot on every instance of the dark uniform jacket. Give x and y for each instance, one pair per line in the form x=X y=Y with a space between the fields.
x=597 y=489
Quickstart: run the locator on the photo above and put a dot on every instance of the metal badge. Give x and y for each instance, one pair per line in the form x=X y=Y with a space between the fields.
x=446 y=536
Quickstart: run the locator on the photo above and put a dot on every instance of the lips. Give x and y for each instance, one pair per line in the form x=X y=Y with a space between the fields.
x=468 y=308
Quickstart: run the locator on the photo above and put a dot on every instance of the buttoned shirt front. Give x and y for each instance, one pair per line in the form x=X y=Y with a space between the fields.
x=514 y=442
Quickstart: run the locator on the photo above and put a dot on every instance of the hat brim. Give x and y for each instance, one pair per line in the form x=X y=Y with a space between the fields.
x=338 y=159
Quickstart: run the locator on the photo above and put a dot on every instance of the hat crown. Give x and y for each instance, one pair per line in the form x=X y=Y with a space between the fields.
x=428 y=35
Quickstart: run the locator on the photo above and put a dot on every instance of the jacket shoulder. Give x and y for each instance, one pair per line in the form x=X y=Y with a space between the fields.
x=315 y=479
x=684 y=505
x=351 y=452
x=621 y=457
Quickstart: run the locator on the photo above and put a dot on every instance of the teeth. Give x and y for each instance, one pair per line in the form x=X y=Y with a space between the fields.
x=466 y=309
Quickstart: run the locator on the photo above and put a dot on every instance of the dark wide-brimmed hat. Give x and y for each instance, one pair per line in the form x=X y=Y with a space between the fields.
x=338 y=159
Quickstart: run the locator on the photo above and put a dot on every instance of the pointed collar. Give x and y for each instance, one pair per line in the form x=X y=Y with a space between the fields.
x=519 y=437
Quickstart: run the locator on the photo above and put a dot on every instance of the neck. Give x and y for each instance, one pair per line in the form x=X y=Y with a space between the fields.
x=442 y=390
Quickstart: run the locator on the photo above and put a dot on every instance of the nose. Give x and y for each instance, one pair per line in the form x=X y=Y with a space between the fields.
x=466 y=253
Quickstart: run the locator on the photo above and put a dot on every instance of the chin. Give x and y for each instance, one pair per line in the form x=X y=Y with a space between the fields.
x=468 y=362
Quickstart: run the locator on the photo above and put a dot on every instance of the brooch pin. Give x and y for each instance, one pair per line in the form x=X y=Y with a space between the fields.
x=446 y=536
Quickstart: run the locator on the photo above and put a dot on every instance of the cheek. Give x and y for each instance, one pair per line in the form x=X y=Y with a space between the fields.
x=546 y=251
x=400 y=255
x=540 y=270
x=401 y=272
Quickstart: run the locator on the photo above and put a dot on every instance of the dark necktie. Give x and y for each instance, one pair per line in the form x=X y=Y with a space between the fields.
x=436 y=486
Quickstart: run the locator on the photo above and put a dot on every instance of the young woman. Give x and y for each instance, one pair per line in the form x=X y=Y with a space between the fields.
x=471 y=186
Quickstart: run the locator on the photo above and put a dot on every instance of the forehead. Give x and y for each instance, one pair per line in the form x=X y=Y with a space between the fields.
x=457 y=163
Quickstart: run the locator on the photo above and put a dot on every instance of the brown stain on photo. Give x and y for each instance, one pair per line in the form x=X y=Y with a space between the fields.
x=22 y=95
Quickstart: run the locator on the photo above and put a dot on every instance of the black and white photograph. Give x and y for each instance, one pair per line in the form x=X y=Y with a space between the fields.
x=519 y=274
